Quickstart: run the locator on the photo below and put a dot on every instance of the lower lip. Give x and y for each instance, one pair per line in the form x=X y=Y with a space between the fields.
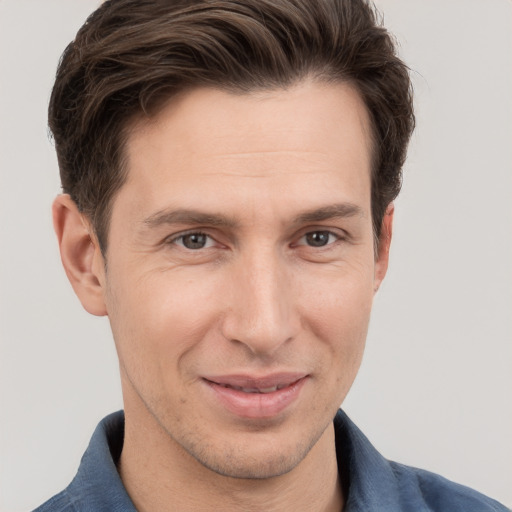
x=257 y=405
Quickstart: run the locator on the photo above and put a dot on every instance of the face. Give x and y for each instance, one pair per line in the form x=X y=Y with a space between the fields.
x=241 y=271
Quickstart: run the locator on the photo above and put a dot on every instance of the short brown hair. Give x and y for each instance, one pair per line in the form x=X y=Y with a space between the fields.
x=131 y=55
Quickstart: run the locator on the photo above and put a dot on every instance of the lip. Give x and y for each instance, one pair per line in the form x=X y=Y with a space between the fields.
x=253 y=397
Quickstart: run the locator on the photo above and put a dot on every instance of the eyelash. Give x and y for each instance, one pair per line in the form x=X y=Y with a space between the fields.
x=330 y=234
x=337 y=237
x=175 y=239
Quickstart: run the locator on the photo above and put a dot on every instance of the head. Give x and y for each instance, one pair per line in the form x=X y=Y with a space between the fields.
x=230 y=166
x=131 y=56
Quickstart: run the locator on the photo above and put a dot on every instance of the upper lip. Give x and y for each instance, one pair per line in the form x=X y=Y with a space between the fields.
x=279 y=380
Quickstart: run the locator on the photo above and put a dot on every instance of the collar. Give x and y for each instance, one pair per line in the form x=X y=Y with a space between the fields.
x=373 y=482
x=97 y=485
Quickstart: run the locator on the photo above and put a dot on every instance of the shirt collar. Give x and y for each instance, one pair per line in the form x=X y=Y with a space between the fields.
x=372 y=480
x=369 y=477
x=97 y=484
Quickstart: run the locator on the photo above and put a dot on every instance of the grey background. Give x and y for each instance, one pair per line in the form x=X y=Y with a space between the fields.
x=435 y=387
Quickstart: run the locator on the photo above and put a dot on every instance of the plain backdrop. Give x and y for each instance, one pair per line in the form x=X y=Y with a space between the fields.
x=435 y=387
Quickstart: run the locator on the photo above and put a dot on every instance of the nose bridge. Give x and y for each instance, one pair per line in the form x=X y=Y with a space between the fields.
x=261 y=315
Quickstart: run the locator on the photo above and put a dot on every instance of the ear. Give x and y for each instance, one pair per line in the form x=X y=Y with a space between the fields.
x=80 y=254
x=382 y=256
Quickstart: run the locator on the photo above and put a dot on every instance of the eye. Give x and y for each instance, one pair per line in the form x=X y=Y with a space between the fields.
x=194 y=241
x=318 y=238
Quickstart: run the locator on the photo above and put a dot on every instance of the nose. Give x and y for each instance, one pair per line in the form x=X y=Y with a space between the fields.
x=261 y=313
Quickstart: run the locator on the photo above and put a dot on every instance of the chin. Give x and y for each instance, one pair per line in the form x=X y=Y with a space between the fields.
x=237 y=463
x=253 y=456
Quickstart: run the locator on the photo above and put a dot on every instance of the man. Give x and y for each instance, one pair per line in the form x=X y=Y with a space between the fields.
x=229 y=170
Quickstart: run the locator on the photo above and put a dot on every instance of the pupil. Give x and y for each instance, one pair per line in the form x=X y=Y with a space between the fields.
x=317 y=238
x=194 y=241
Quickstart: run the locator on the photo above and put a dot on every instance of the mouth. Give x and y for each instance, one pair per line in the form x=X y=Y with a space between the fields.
x=266 y=390
x=251 y=397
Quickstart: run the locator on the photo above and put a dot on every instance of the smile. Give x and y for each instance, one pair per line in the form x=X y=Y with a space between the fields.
x=256 y=390
x=254 y=398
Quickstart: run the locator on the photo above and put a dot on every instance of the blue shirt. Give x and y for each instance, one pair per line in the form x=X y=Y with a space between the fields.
x=374 y=484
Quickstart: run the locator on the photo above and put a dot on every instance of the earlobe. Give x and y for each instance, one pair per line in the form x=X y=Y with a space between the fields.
x=80 y=254
x=382 y=256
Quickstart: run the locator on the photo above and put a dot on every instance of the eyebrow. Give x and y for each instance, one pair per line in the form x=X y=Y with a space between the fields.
x=184 y=216
x=333 y=211
x=196 y=217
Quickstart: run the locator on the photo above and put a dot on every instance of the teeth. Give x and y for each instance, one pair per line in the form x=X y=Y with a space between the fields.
x=255 y=390
x=268 y=390
x=247 y=390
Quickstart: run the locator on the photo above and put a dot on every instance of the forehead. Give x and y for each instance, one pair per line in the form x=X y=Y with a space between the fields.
x=308 y=138
x=310 y=108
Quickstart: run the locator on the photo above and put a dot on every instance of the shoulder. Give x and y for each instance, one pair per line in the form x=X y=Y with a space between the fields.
x=378 y=484
x=96 y=486
x=59 y=503
x=440 y=494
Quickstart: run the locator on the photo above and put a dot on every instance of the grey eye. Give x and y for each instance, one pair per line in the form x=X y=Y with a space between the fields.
x=194 y=240
x=318 y=238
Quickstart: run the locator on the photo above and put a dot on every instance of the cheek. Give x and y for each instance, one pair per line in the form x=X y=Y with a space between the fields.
x=158 y=319
x=345 y=290
x=338 y=312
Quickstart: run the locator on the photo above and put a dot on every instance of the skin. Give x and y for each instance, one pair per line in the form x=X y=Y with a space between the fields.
x=274 y=172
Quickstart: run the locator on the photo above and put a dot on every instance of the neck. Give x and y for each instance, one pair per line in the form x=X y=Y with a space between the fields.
x=159 y=475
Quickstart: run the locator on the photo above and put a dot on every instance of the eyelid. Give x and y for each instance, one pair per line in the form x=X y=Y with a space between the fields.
x=172 y=239
x=339 y=234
